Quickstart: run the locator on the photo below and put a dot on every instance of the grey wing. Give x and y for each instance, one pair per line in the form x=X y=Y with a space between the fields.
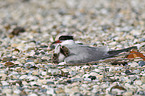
x=85 y=54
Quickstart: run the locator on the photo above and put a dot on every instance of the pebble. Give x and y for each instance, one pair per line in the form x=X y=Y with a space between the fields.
x=50 y=82
x=78 y=94
x=7 y=91
x=35 y=73
x=32 y=94
x=43 y=73
x=30 y=77
x=54 y=71
x=5 y=59
x=128 y=94
x=93 y=74
x=25 y=83
x=143 y=86
x=133 y=78
x=17 y=91
x=117 y=90
x=33 y=83
x=141 y=93
x=97 y=70
x=23 y=77
x=136 y=71
x=87 y=79
x=4 y=83
x=135 y=32
x=143 y=79
x=73 y=73
x=92 y=77
x=75 y=89
x=3 y=76
x=86 y=75
x=133 y=64
x=76 y=79
x=138 y=82
x=30 y=60
x=69 y=81
x=128 y=72
x=59 y=90
x=141 y=63
x=50 y=91
x=142 y=40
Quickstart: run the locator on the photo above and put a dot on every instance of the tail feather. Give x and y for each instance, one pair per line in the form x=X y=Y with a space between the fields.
x=115 y=52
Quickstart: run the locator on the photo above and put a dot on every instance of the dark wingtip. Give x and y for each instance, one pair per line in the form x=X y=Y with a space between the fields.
x=115 y=52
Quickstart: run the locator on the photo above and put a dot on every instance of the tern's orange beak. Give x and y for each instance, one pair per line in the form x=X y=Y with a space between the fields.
x=55 y=42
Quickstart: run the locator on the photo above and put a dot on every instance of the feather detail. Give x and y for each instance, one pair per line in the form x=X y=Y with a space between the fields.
x=64 y=50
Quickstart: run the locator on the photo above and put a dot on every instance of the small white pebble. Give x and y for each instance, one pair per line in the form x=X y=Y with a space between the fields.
x=43 y=73
x=4 y=83
x=33 y=94
x=138 y=82
x=62 y=63
x=17 y=91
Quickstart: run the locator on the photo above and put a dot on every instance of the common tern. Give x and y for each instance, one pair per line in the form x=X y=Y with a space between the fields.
x=70 y=52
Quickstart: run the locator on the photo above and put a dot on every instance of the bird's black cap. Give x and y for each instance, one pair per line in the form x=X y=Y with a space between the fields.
x=66 y=37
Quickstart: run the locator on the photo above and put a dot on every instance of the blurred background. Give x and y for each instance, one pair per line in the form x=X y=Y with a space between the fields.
x=94 y=20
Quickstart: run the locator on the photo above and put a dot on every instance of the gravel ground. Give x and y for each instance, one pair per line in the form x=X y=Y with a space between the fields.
x=27 y=28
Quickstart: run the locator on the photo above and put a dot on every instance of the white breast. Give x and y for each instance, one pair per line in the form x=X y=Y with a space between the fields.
x=68 y=42
x=61 y=57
